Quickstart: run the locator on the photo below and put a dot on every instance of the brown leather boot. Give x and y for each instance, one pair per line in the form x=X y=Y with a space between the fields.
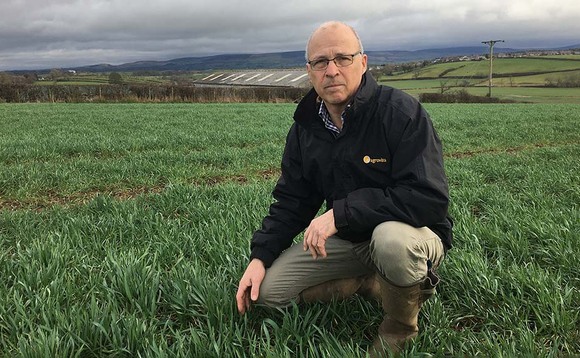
x=370 y=287
x=401 y=306
x=339 y=289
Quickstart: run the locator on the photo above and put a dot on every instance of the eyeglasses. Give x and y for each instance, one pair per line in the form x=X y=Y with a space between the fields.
x=340 y=61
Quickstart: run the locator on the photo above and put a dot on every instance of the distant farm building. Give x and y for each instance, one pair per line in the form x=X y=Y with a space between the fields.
x=257 y=78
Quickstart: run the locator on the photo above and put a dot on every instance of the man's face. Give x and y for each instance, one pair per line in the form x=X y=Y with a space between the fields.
x=336 y=85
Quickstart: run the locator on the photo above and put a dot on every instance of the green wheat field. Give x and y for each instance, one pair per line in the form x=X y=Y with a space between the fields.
x=124 y=229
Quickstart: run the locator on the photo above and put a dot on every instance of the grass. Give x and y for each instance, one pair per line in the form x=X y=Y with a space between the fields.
x=92 y=148
x=124 y=230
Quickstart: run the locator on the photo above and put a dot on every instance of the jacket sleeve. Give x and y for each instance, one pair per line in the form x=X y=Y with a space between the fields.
x=418 y=194
x=296 y=203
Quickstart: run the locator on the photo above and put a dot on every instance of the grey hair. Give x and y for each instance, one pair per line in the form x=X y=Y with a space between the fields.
x=333 y=23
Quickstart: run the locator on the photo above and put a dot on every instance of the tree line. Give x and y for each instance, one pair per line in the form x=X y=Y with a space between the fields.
x=22 y=93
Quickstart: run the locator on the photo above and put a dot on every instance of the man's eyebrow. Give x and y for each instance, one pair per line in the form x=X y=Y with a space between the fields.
x=338 y=54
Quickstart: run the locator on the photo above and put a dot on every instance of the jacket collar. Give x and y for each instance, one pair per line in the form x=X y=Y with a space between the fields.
x=306 y=113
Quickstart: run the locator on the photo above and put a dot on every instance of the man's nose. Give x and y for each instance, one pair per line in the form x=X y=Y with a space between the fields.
x=331 y=69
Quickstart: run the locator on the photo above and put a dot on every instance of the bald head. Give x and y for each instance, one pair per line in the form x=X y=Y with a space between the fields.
x=332 y=26
x=335 y=64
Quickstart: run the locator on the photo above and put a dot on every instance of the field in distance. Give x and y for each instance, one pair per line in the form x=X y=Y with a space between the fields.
x=546 y=79
x=124 y=229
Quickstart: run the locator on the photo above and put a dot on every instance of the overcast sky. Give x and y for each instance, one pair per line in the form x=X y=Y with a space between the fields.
x=62 y=33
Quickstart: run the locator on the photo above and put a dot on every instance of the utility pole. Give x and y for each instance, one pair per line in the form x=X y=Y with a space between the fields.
x=490 y=43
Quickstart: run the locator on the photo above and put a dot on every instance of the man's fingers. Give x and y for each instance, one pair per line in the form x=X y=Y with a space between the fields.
x=249 y=287
x=241 y=298
x=307 y=238
x=320 y=248
x=316 y=234
x=315 y=243
x=255 y=292
x=247 y=303
x=313 y=252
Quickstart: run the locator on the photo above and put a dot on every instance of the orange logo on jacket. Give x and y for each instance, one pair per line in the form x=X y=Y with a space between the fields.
x=367 y=160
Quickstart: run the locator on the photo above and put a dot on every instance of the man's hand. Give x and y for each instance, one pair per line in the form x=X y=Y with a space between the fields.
x=249 y=287
x=317 y=232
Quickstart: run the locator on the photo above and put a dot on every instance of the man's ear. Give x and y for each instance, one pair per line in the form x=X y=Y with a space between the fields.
x=364 y=62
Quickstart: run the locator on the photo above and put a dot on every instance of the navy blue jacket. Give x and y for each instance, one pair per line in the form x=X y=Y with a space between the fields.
x=385 y=165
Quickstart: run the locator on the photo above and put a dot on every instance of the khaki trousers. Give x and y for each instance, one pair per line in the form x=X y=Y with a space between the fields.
x=399 y=252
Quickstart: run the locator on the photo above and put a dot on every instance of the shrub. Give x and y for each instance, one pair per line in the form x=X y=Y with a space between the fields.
x=115 y=78
x=19 y=93
x=570 y=81
x=460 y=96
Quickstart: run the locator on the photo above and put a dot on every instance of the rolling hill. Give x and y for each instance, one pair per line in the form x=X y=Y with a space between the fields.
x=290 y=59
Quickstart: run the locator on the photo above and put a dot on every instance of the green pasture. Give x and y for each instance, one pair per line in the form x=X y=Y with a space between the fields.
x=563 y=57
x=71 y=83
x=511 y=81
x=433 y=85
x=502 y=67
x=514 y=79
x=517 y=94
x=85 y=79
x=464 y=70
x=124 y=229
x=534 y=94
x=508 y=66
x=533 y=80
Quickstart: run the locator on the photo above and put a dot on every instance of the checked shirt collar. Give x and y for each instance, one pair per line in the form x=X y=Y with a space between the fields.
x=323 y=113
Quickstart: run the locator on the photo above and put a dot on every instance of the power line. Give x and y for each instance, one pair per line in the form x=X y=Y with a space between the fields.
x=490 y=43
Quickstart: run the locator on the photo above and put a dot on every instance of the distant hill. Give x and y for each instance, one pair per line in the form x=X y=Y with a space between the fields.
x=571 y=47
x=217 y=62
x=382 y=57
x=293 y=59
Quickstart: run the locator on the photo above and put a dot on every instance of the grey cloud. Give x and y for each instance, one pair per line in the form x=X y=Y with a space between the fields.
x=36 y=33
